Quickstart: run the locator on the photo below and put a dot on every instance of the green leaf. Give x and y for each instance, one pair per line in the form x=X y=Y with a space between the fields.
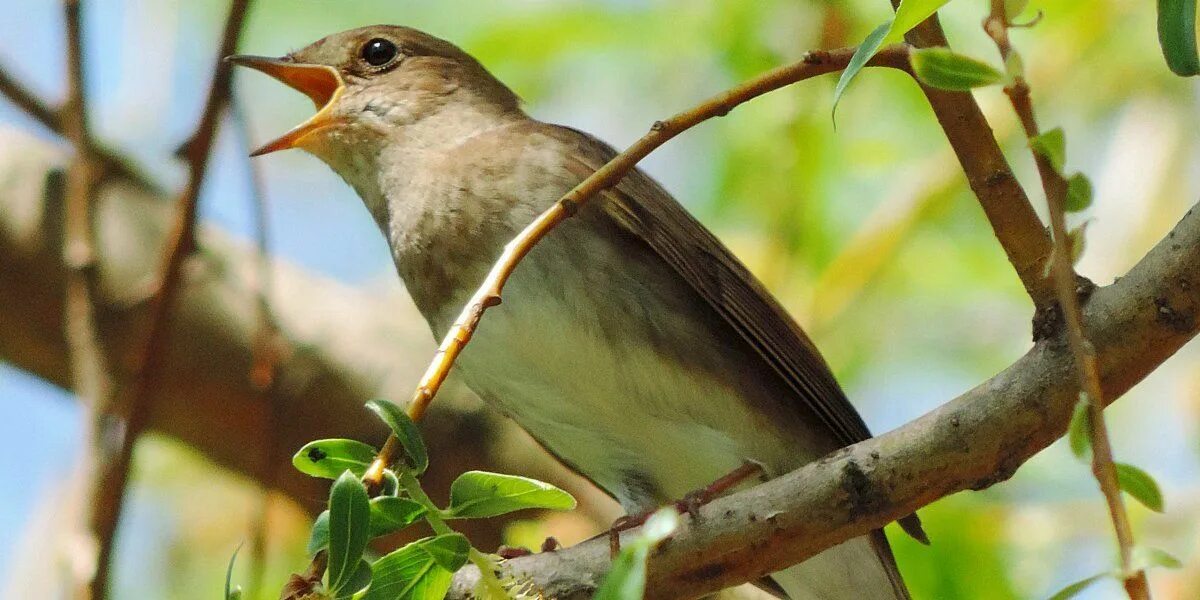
x=1140 y=485
x=1177 y=36
x=1077 y=240
x=1079 y=193
x=481 y=494
x=1073 y=590
x=1145 y=557
x=945 y=69
x=910 y=13
x=1052 y=145
x=865 y=51
x=349 y=529
x=1014 y=8
x=406 y=431
x=359 y=580
x=627 y=578
x=232 y=593
x=421 y=570
x=1079 y=434
x=388 y=515
x=331 y=458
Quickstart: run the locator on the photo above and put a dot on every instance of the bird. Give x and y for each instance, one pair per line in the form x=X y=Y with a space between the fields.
x=631 y=344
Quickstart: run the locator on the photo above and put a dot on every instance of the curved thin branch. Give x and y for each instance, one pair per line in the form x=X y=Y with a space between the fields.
x=814 y=63
x=971 y=442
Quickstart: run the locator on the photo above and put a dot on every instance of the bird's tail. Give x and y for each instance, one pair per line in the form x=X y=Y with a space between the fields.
x=856 y=569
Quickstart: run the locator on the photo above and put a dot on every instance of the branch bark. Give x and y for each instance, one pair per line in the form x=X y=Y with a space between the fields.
x=971 y=442
x=1007 y=206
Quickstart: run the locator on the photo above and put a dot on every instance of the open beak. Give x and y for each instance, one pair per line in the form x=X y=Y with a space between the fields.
x=321 y=83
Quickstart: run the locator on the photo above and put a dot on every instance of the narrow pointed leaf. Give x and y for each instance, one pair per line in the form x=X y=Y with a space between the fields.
x=1077 y=239
x=1177 y=36
x=349 y=529
x=481 y=494
x=1140 y=485
x=331 y=458
x=865 y=51
x=945 y=69
x=910 y=13
x=406 y=431
x=421 y=570
x=1145 y=557
x=1051 y=144
x=232 y=593
x=1079 y=434
x=1075 y=588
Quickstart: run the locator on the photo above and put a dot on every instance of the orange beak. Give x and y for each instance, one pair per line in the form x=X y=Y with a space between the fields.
x=321 y=83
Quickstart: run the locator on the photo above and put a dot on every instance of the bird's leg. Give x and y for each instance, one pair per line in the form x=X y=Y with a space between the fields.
x=690 y=503
x=506 y=552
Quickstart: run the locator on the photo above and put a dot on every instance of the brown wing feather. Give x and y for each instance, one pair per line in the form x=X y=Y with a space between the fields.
x=647 y=211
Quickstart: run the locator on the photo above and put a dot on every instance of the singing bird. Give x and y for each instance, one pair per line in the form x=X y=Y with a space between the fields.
x=632 y=344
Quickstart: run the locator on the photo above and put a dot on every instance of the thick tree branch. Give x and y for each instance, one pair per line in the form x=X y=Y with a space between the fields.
x=1063 y=272
x=1008 y=209
x=971 y=442
x=813 y=64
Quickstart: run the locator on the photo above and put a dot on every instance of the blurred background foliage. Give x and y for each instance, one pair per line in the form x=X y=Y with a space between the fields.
x=865 y=230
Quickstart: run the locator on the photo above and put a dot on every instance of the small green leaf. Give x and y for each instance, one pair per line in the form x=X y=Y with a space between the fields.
x=1073 y=590
x=627 y=578
x=1079 y=434
x=1140 y=485
x=331 y=458
x=1145 y=557
x=421 y=570
x=406 y=431
x=1052 y=145
x=349 y=530
x=1079 y=193
x=232 y=593
x=390 y=514
x=481 y=494
x=1077 y=239
x=945 y=69
x=1014 y=8
x=1177 y=36
x=865 y=51
x=359 y=580
x=391 y=485
x=910 y=13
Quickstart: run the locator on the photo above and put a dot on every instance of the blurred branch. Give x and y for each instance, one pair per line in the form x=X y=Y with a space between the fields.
x=92 y=378
x=107 y=163
x=108 y=494
x=813 y=64
x=1063 y=272
x=971 y=442
x=349 y=344
x=1008 y=209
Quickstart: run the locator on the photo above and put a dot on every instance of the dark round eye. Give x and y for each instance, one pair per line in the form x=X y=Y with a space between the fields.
x=378 y=52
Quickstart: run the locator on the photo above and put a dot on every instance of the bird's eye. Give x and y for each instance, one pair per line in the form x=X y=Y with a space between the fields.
x=378 y=52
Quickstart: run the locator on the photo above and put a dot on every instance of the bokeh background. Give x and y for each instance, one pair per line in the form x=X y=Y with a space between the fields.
x=866 y=231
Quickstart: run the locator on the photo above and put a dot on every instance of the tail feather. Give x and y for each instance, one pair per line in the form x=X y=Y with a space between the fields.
x=863 y=567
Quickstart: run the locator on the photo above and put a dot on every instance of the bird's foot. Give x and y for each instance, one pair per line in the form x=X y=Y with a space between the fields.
x=506 y=552
x=690 y=503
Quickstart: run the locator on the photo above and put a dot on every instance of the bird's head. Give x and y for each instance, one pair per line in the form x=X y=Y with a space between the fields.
x=379 y=82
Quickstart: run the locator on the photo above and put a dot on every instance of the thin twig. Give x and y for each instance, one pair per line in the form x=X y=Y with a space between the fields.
x=135 y=402
x=488 y=294
x=1004 y=201
x=92 y=378
x=1063 y=274
x=105 y=163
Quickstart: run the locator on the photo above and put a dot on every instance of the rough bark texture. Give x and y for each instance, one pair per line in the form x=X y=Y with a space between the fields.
x=971 y=442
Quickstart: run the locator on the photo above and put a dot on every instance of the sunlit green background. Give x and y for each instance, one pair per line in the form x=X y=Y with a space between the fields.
x=866 y=232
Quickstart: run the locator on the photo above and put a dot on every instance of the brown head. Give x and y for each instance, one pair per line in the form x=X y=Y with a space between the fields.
x=376 y=82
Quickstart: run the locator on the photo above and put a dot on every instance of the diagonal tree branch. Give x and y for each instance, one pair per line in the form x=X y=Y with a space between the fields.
x=971 y=442
x=1007 y=206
